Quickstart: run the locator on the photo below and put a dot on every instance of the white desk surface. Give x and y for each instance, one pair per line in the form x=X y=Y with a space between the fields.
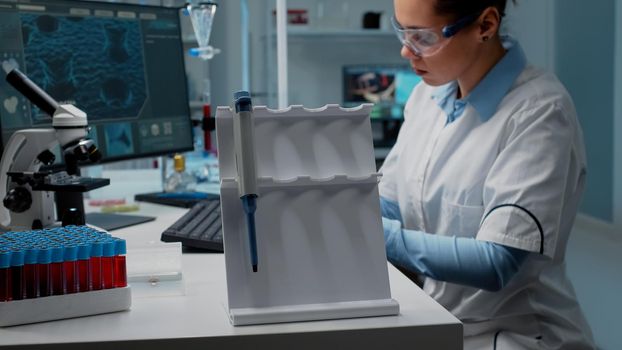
x=199 y=318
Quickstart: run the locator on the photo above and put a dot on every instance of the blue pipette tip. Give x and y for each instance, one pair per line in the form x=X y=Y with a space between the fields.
x=249 y=204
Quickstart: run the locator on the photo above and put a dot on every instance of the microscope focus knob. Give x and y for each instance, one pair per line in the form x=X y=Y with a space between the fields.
x=95 y=154
x=46 y=157
x=18 y=200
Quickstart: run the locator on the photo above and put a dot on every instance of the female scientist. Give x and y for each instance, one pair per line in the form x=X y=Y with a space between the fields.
x=481 y=189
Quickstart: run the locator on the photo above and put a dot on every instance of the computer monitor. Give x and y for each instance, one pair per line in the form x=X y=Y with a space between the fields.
x=386 y=85
x=122 y=64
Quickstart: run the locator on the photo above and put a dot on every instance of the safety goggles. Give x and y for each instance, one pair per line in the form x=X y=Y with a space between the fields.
x=426 y=42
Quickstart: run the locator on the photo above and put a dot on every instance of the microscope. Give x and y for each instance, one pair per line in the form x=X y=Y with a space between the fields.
x=29 y=194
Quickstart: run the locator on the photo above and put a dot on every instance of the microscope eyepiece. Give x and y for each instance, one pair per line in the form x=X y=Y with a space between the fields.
x=32 y=91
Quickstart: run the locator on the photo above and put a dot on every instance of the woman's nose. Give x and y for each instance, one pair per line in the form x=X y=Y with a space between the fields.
x=408 y=54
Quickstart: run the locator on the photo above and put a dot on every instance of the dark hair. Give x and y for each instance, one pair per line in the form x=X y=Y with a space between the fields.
x=462 y=8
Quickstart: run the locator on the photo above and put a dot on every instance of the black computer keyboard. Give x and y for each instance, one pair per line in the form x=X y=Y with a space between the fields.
x=200 y=227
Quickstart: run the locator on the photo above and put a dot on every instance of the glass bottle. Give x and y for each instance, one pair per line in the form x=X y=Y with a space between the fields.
x=180 y=180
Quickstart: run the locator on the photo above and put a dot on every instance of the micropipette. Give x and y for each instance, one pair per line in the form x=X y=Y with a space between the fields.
x=244 y=141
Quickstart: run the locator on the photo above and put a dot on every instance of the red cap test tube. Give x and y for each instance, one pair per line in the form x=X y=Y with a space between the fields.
x=85 y=282
x=31 y=273
x=108 y=265
x=97 y=249
x=6 y=288
x=43 y=264
x=17 y=274
x=70 y=268
x=57 y=273
x=120 y=269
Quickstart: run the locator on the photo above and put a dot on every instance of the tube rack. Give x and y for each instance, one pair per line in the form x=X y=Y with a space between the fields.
x=60 y=273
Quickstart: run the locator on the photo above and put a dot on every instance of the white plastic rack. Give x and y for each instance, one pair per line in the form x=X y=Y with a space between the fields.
x=319 y=232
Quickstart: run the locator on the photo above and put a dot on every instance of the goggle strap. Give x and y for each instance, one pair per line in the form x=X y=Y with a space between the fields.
x=452 y=29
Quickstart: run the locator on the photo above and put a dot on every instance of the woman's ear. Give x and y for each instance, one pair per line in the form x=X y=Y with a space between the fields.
x=489 y=22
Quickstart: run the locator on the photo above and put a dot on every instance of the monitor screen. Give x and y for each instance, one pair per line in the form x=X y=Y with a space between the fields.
x=121 y=64
x=387 y=86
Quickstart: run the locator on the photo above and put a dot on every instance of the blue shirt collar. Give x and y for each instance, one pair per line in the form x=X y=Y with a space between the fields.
x=487 y=95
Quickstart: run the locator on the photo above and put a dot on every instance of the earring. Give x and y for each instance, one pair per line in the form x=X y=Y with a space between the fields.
x=485 y=39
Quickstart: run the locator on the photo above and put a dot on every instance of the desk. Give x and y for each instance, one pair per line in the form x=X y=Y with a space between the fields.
x=199 y=319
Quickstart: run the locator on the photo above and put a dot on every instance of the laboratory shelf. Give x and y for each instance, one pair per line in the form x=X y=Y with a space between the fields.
x=354 y=35
x=366 y=33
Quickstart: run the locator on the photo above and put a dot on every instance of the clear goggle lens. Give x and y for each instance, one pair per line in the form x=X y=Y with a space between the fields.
x=422 y=42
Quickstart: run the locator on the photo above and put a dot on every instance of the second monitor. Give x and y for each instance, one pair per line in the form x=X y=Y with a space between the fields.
x=388 y=86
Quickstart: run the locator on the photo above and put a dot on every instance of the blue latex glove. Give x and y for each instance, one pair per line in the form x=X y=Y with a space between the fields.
x=460 y=260
x=390 y=210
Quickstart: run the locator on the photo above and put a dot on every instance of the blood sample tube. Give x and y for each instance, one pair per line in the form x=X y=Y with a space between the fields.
x=31 y=273
x=85 y=283
x=70 y=267
x=120 y=270
x=108 y=265
x=97 y=249
x=43 y=265
x=6 y=289
x=17 y=274
x=57 y=273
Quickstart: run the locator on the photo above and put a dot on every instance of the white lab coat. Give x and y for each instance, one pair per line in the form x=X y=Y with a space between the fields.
x=515 y=179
